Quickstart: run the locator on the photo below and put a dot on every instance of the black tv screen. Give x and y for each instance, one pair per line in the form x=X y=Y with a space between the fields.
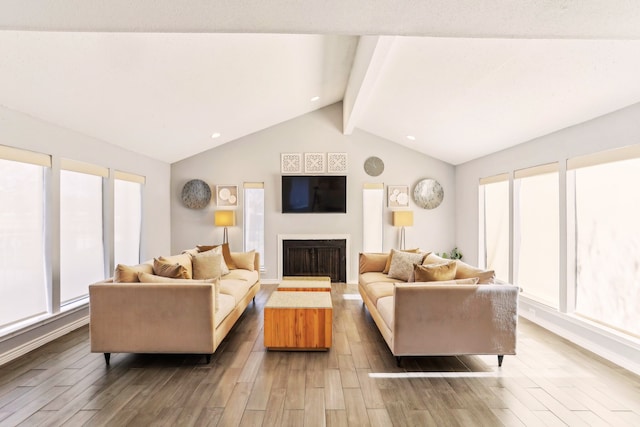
x=314 y=194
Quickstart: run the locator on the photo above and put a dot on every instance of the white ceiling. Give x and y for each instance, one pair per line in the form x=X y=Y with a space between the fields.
x=464 y=81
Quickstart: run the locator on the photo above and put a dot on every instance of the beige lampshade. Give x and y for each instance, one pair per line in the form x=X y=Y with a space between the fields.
x=225 y=218
x=402 y=218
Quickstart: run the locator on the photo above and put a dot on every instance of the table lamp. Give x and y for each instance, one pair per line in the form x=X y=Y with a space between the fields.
x=402 y=219
x=225 y=219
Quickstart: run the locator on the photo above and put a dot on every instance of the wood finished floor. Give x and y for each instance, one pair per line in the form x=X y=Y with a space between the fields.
x=356 y=383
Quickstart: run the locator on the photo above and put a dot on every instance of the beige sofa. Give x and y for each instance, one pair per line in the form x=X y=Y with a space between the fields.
x=440 y=318
x=177 y=317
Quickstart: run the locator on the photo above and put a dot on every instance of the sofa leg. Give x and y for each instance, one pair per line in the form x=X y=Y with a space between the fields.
x=107 y=358
x=208 y=358
x=500 y=357
x=398 y=359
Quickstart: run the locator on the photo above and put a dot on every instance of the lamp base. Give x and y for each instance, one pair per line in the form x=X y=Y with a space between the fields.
x=402 y=238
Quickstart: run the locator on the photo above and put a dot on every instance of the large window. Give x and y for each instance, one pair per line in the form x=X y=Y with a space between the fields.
x=127 y=218
x=23 y=284
x=607 y=208
x=494 y=200
x=81 y=229
x=537 y=231
x=253 y=221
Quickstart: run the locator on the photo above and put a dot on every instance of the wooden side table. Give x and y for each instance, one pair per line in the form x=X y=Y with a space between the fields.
x=298 y=321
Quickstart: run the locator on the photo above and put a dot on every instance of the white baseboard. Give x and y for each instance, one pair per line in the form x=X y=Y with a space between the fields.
x=611 y=346
x=41 y=340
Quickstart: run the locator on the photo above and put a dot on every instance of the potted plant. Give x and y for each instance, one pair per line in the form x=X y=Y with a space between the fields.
x=453 y=254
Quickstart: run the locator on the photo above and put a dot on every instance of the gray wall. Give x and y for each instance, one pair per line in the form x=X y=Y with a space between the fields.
x=256 y=157
x=22 y=131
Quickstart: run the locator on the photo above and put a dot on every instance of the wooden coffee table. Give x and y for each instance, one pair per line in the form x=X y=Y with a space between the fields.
x=305 y=284
x=298 y=321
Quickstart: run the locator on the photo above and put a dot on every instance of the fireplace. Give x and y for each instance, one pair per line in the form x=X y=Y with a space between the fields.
x=315 y=255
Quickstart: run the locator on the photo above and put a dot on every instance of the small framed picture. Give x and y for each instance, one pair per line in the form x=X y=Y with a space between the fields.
x=314 y=163
x=291 y=162
x=227 y=195
x=397 y=196
x=337 y=162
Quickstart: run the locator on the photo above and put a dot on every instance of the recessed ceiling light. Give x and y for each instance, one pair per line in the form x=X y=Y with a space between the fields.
x=215 y=135
x=315 y=98
x=411 y=137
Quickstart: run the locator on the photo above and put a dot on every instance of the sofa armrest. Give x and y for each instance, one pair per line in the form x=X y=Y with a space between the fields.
x=152 y=317
x=454 y=319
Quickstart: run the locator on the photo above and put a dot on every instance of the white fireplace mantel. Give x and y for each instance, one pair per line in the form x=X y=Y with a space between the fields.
x=283 y=237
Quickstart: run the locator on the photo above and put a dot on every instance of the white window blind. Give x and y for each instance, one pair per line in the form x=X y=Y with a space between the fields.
x=253 y=218
x=23 y=285
x=127 y=206
x=81 y=229
x=537 y=230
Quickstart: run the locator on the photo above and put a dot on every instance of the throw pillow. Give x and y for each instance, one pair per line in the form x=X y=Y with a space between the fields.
x=434 y=259
x=129 y=274
x=435 y=272
x=371 y=262
x=224 y=269
x=206 y=265
x=465 y=271
x=244 y=260
x=402 y=264
x=182 y=259
x=168 y=269
x=226 y=253
x=191 y=252
x=388 y=264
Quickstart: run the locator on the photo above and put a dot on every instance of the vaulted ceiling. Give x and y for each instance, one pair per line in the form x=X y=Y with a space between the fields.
x=454 y=81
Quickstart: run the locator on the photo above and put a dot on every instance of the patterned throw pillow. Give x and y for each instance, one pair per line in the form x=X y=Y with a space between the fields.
x=402 y=264
x=390 y=258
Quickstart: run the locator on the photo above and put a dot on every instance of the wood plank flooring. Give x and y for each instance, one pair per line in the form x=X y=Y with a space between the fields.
x=356 y=383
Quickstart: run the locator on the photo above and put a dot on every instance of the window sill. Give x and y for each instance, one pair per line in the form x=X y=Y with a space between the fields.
x=35 y=322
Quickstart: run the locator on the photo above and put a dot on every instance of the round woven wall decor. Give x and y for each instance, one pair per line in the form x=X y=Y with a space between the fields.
x=428 y=194
x=196 y=194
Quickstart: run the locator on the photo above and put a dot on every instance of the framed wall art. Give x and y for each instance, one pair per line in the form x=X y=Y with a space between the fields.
x=227 y=195
x=314 y=163
x=291 y=162
x=398 y=196
x=337 y=162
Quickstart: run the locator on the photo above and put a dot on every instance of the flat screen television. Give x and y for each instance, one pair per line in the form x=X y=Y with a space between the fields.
x=314 y=194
